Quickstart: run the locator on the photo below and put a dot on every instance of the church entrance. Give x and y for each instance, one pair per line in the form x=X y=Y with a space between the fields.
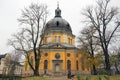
x=57 y=67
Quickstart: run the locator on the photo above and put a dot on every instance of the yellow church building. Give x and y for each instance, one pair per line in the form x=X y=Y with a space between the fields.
x=59 y=54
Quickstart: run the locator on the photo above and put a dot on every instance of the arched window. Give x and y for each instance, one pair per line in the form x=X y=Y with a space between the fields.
x=68 y=40
x=49 y=39
x=32 y=60
x=68 y=64
x=77 y=66
x=57 y=23
x=82 y=62
x=45 y=40
x=57 y=39
x=26 y=65
x=45 y=64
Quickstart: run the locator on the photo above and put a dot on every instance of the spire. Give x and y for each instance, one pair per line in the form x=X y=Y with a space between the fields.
x=57 y=11
x=57 y=4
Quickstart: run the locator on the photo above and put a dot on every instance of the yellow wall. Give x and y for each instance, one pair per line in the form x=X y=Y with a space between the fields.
x=63 y=56
x=50 y=38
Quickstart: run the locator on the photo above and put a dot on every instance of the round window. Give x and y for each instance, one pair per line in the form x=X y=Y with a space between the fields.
x=57 y=55
x=46 y=54
x=68 y=54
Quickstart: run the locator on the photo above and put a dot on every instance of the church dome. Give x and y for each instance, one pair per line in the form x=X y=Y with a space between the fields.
x=58 y=24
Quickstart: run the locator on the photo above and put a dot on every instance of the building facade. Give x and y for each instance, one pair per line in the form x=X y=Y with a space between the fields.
x=58 y=52
x=6 y=65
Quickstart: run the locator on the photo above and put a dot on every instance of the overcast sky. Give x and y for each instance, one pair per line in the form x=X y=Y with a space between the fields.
x=10 y=10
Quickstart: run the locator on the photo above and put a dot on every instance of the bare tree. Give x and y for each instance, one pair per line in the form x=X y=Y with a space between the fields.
x=114 y=62
x=30 y=37
x=89 y=42
x=11 y=61
x=115 y=57
x=104 y=19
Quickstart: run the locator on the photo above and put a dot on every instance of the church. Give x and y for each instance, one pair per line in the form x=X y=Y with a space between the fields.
x=59 y=54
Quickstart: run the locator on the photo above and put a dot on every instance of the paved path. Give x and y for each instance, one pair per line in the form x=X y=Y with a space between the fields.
x=58 y=78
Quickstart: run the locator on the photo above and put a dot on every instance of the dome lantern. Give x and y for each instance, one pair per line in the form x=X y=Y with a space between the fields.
x=58 y=11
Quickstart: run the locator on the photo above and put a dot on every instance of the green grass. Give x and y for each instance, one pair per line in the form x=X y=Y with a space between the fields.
x=98 y=77
x=80 y=77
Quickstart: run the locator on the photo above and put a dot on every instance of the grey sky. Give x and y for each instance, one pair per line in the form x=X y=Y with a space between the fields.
x=10 y=10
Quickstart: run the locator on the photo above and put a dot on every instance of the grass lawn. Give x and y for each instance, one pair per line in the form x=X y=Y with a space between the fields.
x=98 y=77
x=83 y=77
x=80 y=77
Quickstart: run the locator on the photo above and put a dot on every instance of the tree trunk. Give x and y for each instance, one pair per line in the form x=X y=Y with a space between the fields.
x=36 y=71
x=107 y=62
x=94 y=70
x=117 y=71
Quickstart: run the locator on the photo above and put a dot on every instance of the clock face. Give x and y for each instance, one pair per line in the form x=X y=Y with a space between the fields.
x=57 y=55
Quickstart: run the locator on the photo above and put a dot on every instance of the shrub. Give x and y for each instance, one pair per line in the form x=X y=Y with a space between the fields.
x=78 y=77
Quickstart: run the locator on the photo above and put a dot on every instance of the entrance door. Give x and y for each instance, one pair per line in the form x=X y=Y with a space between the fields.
x=57 y=66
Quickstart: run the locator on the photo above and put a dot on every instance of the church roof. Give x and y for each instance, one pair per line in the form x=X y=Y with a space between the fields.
x=58 y=24
x=2 y=56
x=58 y=45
